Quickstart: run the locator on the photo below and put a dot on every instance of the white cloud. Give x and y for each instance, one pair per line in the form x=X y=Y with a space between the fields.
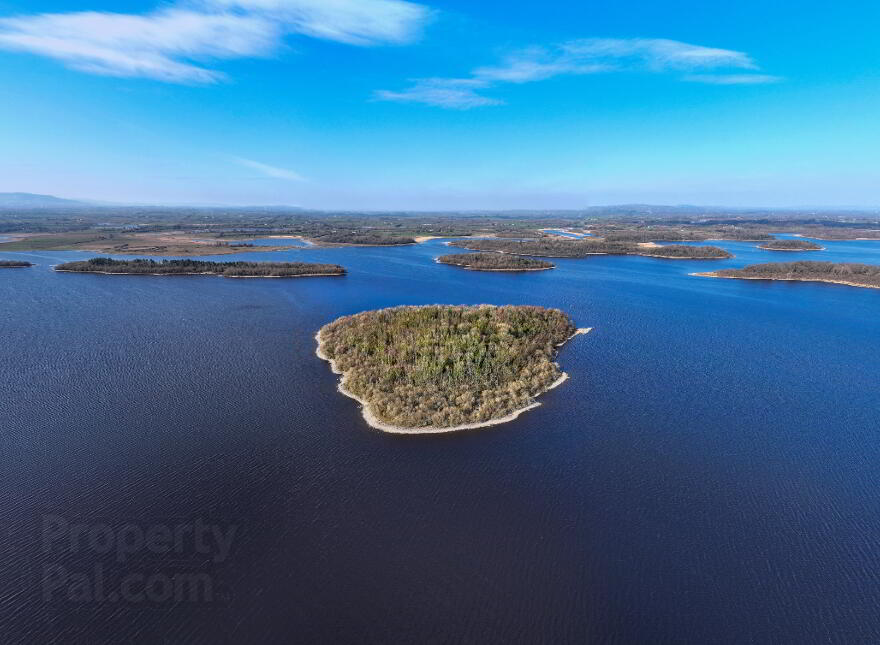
x=451 y=93
x=172 y=44
x=270 y=171
x=733 y=79
x=589 y=56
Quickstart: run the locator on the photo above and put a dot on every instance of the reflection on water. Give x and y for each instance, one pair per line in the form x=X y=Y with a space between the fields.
x=707 y=474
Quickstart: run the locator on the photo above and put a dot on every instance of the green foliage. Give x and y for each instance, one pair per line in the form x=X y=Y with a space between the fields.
x=684 y=251
x=443 y=366
x=866 y=275
x=184 y=267
x=365 y=238
x=791 y=245
x=494 y=262
x=14 y=264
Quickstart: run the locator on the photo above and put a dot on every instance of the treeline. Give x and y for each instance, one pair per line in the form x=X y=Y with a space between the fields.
x=363 y=238
x=866 y=275
x=443 y=366
x=791 y=245
x=551 y=247
x=14 y=264
x=555 y=247
x=189 y=267
x=494 y=262
x=686 y=252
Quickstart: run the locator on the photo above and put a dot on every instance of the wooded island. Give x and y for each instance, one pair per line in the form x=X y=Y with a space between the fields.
x=790 y=245
x=198 y=267
x=441 y=368
x=14 y=264
x=494 y=262
x=854 y=275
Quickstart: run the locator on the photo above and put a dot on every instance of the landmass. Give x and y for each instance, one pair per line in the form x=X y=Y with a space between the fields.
x=443 y=368
x=557 y=247
x=121 y=243
x=198 y=267
x=851 y=274
x=494 y=262
x=14 y=264
x=790 y=245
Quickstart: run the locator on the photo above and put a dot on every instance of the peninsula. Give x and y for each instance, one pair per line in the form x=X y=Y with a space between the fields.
x=442 y=368
x=197 y=267
x=790 y=245
x=494 y=262
x=853 y=275
x=556 y=247
x=14 y=264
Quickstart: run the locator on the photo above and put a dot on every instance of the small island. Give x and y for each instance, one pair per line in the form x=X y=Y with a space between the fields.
x=14 y=264
x=685 y=252
x=361 y=238
x=557 y=247
x=443 y=368
x=494 y=262
x=790 y=245
x=198 y=267
x=851 y=274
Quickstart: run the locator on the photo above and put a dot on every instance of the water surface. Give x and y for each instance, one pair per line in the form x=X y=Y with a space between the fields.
x=707 y=475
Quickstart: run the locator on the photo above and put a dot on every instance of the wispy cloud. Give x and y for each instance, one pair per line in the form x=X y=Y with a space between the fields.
x=585 y=56
x=451 y=93
x=270 y=171
x=173 y=43
x=733 y=79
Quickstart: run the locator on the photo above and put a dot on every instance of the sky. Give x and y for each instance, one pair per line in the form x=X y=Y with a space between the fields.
x=443 y=104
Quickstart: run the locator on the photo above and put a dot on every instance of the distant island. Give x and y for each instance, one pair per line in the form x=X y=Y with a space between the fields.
x=197 y=267
x=14 y=264
x=851 y=274
x=361 y=238
x=556 y=247
x=494 y=262
x=790 y=245
x=442 y=368
x=684 y=252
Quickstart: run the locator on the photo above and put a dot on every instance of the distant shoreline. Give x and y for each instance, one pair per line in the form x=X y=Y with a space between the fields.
x=219 y=275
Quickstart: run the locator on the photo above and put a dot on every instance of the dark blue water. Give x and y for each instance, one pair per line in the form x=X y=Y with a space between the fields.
x=707 y=475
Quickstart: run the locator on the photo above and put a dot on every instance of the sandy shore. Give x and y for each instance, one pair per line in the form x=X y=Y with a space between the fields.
x=733 y=277
x=373 y=422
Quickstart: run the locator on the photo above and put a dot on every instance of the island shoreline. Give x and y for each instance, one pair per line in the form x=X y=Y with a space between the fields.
x=374 y=422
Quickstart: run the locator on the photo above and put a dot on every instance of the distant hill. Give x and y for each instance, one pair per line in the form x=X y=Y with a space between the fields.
x=30 y=200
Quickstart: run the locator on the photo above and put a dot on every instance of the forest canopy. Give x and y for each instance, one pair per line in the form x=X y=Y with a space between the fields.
x=791 y=245
x=199 y=267
x=14 y=264
x=444 y=366
x=494 y=262
x=861 y=275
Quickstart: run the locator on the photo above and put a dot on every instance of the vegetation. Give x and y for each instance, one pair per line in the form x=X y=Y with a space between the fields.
x=494 y=262
x=197 y=267
x=14 y=264
x=444 y=366
x=791 y=245
x=121 y=243
x=862 y=275
x=549 y=247
x=685 y=252
x=363 y=239
x=557 y=247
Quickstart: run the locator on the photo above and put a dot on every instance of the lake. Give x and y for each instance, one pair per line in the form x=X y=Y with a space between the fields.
x=708 y=474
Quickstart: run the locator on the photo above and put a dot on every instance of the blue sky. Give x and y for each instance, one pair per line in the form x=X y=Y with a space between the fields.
x=385 y=104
